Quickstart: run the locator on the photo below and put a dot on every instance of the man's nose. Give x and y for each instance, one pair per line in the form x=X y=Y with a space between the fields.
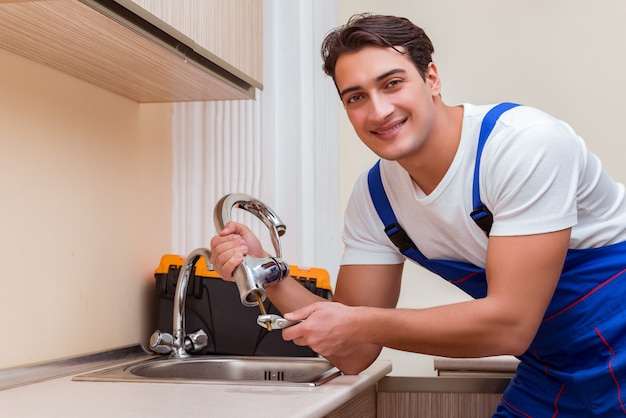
x=380 y=108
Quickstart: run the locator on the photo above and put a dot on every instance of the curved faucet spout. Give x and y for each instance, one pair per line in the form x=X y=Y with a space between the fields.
x=178 y=318
x=253 y=274
x=223 y=211
x=179 y=341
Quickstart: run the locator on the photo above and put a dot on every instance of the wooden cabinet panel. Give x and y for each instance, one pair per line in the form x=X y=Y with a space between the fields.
x=105 y=43
x=361 y=406
x=437 y=405
x=440 y=397
x=230 y=29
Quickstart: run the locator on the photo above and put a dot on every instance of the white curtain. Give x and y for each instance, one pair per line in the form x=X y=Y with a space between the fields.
x=282 y=148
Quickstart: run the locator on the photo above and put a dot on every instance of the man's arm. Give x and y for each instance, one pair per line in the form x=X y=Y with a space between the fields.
x=522 y=273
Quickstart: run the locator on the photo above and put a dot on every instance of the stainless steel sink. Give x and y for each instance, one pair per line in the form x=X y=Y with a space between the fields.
x=280 y=371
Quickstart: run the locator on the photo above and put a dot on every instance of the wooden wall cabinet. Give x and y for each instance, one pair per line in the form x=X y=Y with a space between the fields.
x=147 y=51
x=230 y=29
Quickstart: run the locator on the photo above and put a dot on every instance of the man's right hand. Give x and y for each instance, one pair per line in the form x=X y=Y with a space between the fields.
x=229 y=247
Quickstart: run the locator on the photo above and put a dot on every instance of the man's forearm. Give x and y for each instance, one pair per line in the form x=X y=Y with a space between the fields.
x=289 y=295
x=357 y=360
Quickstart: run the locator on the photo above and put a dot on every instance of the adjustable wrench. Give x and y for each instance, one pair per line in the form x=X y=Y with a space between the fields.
x=272 y=321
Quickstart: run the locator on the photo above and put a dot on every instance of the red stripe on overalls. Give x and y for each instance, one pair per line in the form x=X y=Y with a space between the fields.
x=584 y=297
x=461 y=280
x=610 y=366
x=556 y=401
x=546 y=370
x=515 y=409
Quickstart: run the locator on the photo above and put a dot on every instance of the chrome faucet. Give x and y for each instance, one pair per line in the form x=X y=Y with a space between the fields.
x=251 y=277
x=254 y=274
x=178 y=344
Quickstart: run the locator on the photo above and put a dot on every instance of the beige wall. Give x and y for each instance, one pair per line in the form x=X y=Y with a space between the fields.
x=85 y=180
x=563 y=56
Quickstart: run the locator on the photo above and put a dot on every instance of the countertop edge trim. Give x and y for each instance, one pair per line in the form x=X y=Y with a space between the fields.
x=39 y=372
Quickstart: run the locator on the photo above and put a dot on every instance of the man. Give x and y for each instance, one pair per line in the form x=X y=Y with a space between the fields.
x=545 y=256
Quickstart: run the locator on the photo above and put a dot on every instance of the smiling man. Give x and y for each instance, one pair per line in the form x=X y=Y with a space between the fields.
x=504 y=201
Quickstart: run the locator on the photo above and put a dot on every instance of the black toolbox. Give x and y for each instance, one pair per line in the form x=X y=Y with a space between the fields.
x=213 y=305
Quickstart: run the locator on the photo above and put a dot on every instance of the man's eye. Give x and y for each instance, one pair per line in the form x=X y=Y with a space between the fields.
x=394 y=83
x=353 y=99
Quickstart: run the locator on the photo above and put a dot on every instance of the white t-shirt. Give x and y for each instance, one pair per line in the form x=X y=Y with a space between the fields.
x=536 y=176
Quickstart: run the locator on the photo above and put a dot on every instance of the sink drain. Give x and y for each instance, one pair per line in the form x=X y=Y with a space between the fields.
x=274 y=376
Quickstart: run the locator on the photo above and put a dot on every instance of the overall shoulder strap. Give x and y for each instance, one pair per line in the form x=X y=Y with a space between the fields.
x=480 y=214
x=394 y=231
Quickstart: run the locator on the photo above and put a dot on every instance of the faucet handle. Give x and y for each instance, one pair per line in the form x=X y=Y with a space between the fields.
x=254 y=274
x=266 y=271
x=161 y=342
x=196 y=341
x=164 y=343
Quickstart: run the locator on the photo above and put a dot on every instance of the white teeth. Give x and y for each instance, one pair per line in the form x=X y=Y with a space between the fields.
x=387 y=130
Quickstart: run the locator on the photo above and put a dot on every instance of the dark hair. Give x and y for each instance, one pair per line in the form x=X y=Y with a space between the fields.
x=366 y=29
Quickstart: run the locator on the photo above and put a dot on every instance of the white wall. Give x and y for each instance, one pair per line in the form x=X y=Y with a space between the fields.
x=85 y=179
x=563 y=56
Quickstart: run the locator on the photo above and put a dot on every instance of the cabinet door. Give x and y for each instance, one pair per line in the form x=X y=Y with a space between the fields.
x=230 y=29
x=437 y=404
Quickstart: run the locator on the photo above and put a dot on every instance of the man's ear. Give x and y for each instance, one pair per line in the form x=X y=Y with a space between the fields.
x=432 y=79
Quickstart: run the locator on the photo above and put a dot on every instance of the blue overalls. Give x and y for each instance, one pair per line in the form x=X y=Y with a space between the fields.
x=576 y=364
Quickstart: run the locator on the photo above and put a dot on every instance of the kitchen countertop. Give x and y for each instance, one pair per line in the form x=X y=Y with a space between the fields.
x=62 y=397
x=505 y=365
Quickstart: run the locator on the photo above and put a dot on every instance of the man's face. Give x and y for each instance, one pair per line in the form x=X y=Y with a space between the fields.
x=388 y=102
